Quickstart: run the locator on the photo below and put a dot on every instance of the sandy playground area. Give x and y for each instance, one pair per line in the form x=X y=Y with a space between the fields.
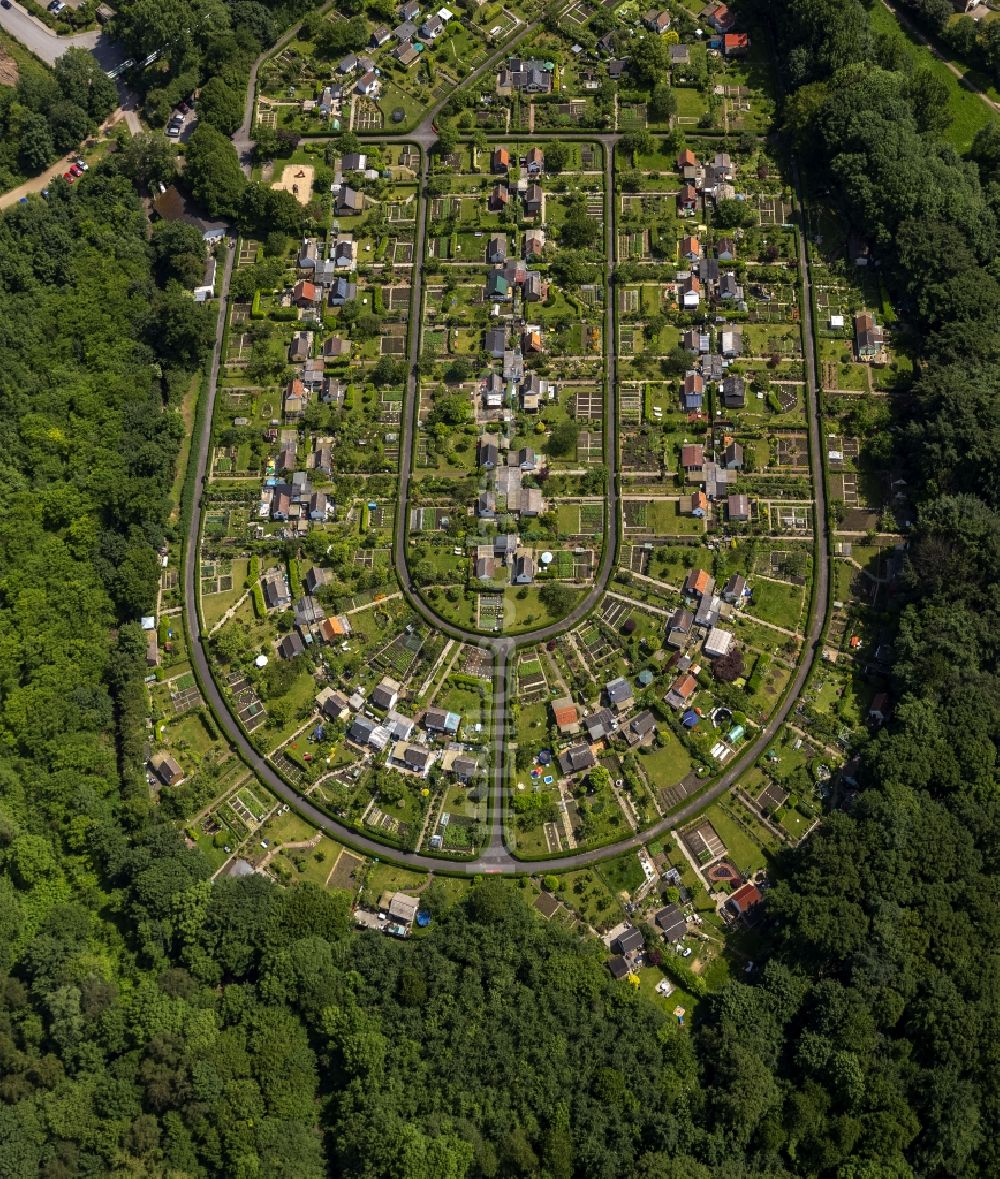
x=298 y=180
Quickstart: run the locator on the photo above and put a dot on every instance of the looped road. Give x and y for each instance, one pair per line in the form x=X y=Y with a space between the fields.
x=495 y=856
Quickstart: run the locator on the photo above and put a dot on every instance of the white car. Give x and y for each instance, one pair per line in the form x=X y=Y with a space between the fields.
x=82 y=165
x=120 y=69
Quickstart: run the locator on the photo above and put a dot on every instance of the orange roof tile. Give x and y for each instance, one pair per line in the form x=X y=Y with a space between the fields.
x=700 y=582
x=566 y=715
x=746 y=897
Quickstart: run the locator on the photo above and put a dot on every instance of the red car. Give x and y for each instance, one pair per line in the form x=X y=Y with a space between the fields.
x=76 y=169
x=68 y=177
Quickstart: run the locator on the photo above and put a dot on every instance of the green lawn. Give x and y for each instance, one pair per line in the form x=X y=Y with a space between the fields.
x=590 y=898
x=969 y=113
x=214 y=606
x=524 y=609
x=668 y=520
x=649 y=976
x=388 y=878
x=287 y=828
x=743 y=850
x=690 y=102
x=189 y=734
x=531 y=843
x=216 y=856
x=670 y=564
x=624 y=874
x=605 y=822
x=297 y=698
x=777 y=602
x=665 y=766
x=462 y=611
x=568 y=519
x=308 y=864
x=794 y=822
x=533 y=725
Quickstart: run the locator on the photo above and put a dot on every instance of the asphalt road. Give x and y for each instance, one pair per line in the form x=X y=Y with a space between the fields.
x=814 y=632
x=426 y=136
x=192 y=626
x=495 y=856
x=49 y=46
x=242 y=139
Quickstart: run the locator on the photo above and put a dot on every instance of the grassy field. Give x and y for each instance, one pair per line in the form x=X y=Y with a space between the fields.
x=214 y=606
x=287 y=828
x=189 y=734
x=188 y=408
x=532 y=842
x=665 y=519
x=524 y=609
x=590 y=898
x=300 y=694
x=667 y=765
x=624 y=874
x=310 y=864
x=969 y=113
x=388 y=878
x=649 y=976
x=743 y=850
x=777 y=602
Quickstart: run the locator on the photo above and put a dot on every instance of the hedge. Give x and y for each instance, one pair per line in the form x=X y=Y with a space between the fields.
x=757 y=675
x=682 y=974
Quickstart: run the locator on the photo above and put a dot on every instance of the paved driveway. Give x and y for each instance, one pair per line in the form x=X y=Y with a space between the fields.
x=43 y=43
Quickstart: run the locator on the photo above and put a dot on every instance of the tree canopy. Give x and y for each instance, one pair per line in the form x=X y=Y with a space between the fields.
x=154 y=1021
x=858 y=1051
x=51 y=112
x=212 y=171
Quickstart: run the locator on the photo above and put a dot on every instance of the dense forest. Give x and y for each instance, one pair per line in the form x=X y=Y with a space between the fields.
x=200 y=43
x=50 y=112
x=870 y=1046
x=154 y=1023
